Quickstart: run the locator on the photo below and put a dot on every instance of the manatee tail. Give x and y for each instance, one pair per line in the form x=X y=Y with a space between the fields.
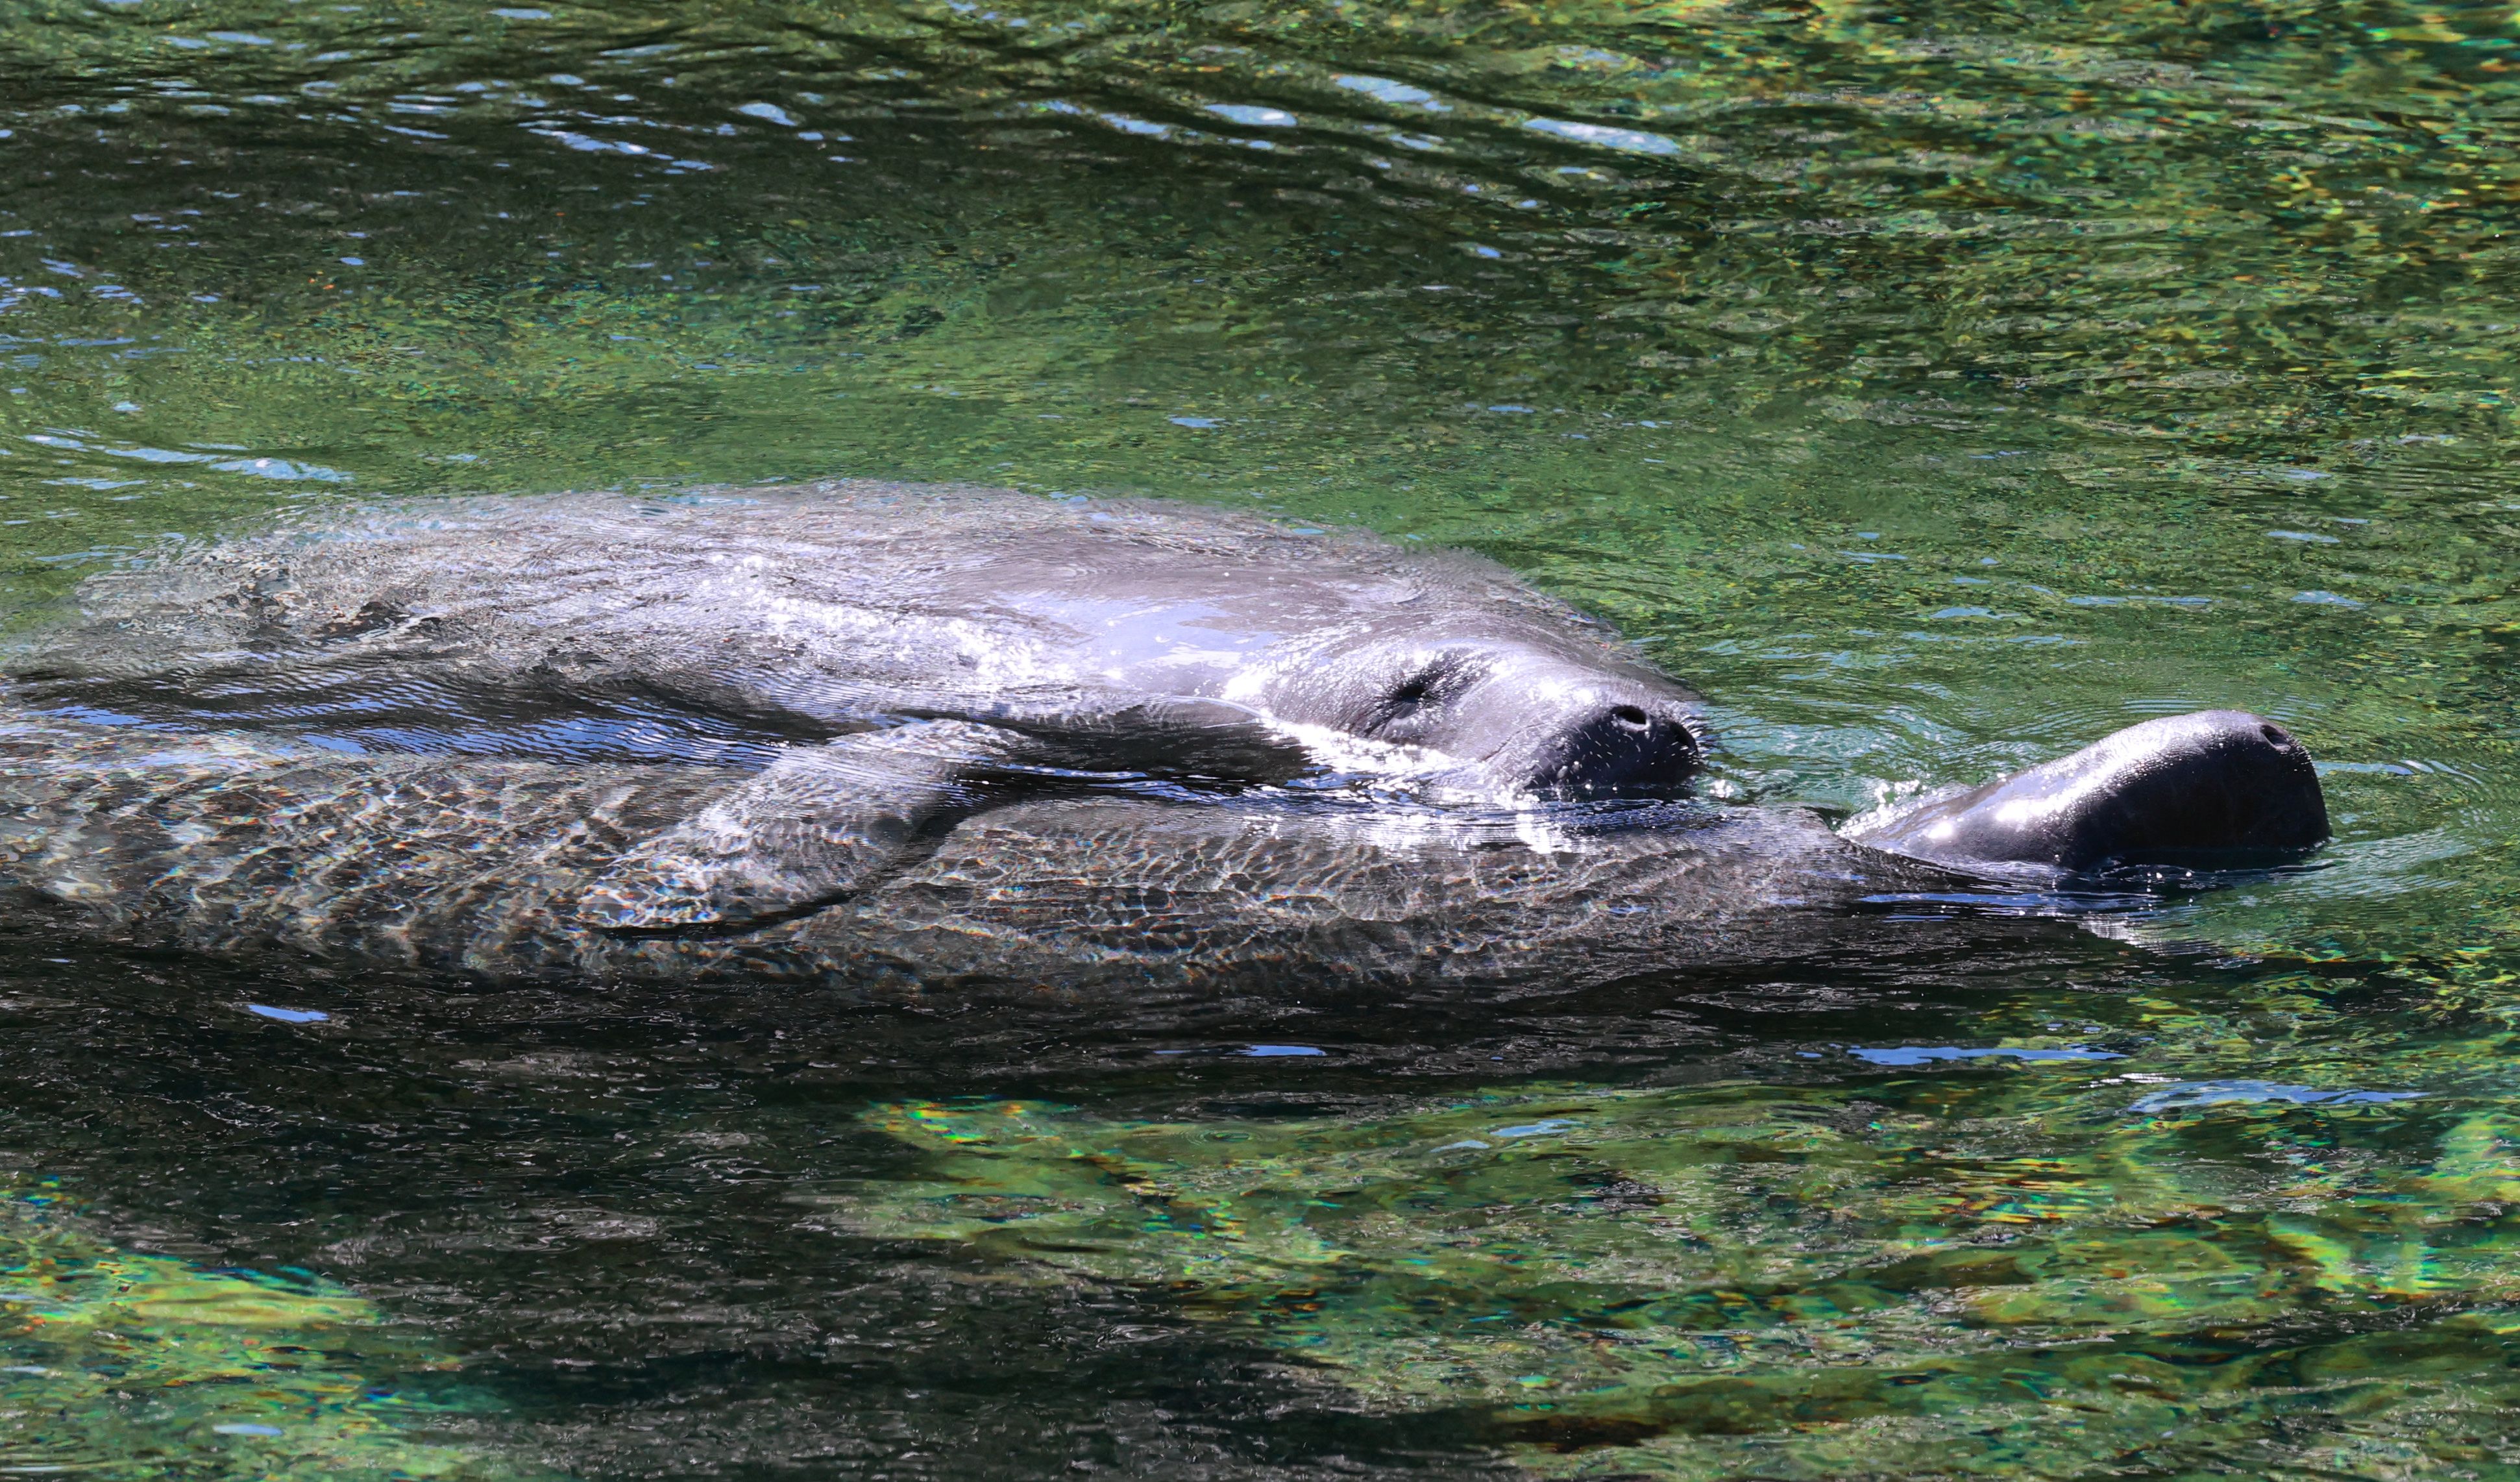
x=2218 y=788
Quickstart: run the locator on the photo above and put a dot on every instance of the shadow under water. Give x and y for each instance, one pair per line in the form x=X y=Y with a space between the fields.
x=2077 y=1200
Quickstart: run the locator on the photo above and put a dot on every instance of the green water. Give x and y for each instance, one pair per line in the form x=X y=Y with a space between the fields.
x=1935 y=387
x=146 y=1366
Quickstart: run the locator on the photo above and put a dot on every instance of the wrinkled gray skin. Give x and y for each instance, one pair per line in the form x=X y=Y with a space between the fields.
x=238 y=843
x=881 y=649
x=841 y=736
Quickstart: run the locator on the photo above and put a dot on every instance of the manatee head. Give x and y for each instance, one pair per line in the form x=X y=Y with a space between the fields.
x=1527 y=713
x=2218 y=788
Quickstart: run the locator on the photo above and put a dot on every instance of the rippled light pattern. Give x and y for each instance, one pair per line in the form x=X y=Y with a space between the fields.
x=1935 y=387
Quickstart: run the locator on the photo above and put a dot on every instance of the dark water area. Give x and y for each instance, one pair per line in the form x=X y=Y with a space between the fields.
x=1935 y=389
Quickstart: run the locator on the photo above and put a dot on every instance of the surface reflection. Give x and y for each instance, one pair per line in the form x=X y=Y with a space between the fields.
x=1937 y=388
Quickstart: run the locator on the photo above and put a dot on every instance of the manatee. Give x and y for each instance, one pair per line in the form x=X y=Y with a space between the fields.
x=885 y=658
x=239 y=843
x=736 y=714
x=2218 y=788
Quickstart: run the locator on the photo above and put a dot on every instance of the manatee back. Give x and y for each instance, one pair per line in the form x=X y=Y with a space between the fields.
x=774 y=611
x=546 y=559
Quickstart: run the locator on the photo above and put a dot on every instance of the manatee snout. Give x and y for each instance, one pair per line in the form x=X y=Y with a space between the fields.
x=1538 y=721
x=1608 y=743
x=2217 y=788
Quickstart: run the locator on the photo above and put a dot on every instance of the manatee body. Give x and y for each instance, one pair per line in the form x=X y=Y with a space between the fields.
x=235 y=842
x=885 y=656
x=826 y=610
x=238 y=843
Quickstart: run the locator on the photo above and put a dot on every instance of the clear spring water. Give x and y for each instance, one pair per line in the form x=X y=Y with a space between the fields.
x=1936 y=387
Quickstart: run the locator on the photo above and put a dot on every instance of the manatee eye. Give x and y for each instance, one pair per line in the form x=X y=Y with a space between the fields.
x=1409 y=695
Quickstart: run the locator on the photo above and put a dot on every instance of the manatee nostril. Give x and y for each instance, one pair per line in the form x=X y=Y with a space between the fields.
x=2275 y=734
x=1631 y=717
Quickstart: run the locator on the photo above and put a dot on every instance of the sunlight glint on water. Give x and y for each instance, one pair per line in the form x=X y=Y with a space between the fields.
x=1935 y=389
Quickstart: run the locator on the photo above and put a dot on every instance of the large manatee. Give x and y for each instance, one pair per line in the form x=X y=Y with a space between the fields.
x=239 y=842
x=884 y=649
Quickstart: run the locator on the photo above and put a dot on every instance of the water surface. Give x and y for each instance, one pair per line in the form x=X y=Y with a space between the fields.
x=1936 y=387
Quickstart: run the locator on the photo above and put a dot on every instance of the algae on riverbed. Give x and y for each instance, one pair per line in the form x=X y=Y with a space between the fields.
x=2057 y=1258
x=127 y=1365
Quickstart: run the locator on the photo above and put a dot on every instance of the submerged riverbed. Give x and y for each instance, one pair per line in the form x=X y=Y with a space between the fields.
x=1935 y=387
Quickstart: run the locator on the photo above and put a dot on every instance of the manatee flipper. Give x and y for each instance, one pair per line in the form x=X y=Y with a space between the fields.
x=817 y=824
